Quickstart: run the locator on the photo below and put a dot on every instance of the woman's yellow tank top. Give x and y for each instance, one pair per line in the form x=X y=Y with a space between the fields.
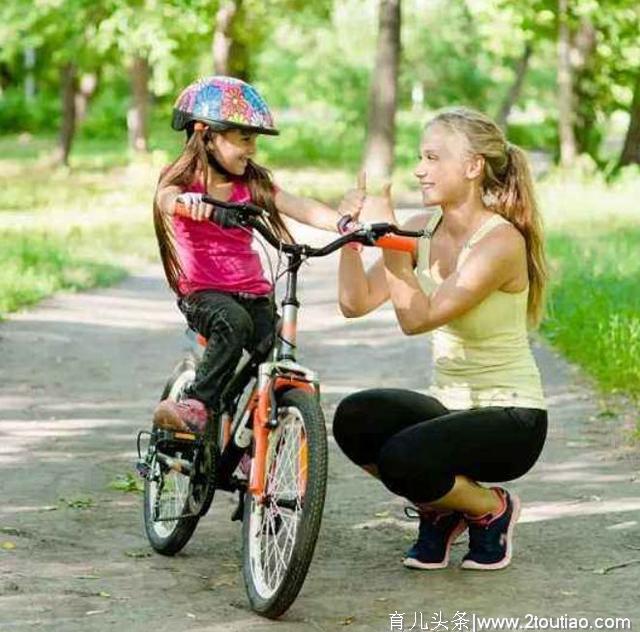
x=482 y=358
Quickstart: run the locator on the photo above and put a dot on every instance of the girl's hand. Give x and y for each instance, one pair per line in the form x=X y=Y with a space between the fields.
x=353 y=200
x=198 y=210
x=378 y=208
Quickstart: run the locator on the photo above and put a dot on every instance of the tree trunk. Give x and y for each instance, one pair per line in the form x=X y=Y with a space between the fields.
x=221 y=45
x=516 y=87
x=586 y=131
x=68 y=81
x=631 y=150
x=378 y=156
x=230 y=57
x=565 y=89
x=86 y=89
x=137 y=115
x=29 y=78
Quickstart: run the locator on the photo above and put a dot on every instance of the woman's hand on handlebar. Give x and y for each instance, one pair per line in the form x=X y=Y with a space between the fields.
x=194 y=207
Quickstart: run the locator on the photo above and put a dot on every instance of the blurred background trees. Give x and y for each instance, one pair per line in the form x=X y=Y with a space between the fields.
x=351 y=81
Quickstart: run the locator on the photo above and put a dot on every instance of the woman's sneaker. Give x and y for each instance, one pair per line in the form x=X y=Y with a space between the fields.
x=436 y=534
x=491 y=536
x=187 y=415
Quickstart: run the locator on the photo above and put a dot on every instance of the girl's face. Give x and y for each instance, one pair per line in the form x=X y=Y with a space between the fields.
x=446 y=170
x=233 y=148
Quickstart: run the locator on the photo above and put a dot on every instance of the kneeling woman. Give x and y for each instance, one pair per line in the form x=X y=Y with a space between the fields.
x=476 y=280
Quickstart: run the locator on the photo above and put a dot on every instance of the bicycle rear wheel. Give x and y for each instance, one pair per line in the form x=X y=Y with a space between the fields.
x=167 y=492
x=280 y=533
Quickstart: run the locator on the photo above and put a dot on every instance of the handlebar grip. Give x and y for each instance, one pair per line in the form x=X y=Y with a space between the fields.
x=396 y=242
x=225 y=218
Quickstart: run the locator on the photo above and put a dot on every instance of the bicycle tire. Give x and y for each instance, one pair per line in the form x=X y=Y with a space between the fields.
x=272 y=603
x=167 y=538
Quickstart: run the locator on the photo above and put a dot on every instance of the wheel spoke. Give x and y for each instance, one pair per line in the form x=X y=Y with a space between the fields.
x=173 y=498
x=277 y=526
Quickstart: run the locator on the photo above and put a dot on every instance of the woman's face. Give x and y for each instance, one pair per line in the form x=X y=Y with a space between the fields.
x=233 y=148
x=443 y=169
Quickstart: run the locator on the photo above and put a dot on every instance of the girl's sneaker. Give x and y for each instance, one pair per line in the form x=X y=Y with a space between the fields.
x=436 y=534
x=491 y=535
x=187 y=415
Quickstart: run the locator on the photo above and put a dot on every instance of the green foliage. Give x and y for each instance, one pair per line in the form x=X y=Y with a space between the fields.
x=534 y=135
x=595 y=305
x=36 y=264
x=128 y=483
x=106 y=118
x=68 y=230
x=593 y=238
x=18 y=114
x=313 y=62
x=443 y=51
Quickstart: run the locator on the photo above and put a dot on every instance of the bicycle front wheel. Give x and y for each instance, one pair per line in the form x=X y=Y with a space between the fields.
x=280 y=533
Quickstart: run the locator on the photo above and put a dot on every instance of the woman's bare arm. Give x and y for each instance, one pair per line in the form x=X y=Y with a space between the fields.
x=360 y=291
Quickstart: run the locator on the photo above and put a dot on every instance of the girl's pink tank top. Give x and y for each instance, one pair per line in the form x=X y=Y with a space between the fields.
x=220 y=259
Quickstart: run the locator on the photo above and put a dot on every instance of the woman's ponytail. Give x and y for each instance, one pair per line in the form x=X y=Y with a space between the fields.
x=516 y=201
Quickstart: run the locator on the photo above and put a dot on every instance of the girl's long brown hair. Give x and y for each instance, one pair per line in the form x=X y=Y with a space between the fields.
x=193 y=165
x=508 y=187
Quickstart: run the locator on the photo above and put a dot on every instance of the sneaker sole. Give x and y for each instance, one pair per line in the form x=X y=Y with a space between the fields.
x=506 y=560
x=412 y=562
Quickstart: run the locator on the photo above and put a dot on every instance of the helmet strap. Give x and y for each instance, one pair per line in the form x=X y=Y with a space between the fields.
x=214 y=163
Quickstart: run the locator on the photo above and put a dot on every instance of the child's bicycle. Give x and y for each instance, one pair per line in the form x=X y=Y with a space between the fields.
x=267 y=441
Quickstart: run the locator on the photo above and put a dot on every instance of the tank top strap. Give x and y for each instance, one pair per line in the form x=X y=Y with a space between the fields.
x=432 y=224
x=489 y=225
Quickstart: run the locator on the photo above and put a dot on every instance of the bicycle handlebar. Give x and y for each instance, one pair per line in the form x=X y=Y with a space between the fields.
x=382 y=234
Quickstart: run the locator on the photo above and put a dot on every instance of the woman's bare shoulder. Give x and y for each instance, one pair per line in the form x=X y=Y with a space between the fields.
x=503 y=243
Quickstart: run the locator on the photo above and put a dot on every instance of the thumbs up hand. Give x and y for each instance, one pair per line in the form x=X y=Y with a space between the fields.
x=353 y=200
x=349 y=210
x=378 y=208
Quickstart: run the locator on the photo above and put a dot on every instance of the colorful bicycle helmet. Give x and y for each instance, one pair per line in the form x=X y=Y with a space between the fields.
x=223 y=103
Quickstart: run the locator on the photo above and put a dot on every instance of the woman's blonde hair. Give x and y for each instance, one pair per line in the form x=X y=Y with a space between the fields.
x=193 y=164
x=508 y=189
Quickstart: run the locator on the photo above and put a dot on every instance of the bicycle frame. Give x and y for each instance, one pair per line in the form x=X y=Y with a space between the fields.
x=279 y=375
x=282 y=372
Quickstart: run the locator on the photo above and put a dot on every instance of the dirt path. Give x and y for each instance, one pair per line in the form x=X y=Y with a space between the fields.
x=79 y=376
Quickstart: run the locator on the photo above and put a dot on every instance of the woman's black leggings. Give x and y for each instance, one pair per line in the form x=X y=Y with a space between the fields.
x=419 y=446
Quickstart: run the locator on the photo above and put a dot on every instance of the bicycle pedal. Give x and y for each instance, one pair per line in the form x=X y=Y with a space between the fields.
x=174 y=435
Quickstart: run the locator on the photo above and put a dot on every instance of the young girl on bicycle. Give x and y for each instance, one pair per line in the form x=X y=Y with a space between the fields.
x=478 y=275
x=218 y=277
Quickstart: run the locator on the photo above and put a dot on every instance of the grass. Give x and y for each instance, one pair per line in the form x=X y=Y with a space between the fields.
x=593 y=241
x=64 y=229
x=35 y=265
x=594 y=314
